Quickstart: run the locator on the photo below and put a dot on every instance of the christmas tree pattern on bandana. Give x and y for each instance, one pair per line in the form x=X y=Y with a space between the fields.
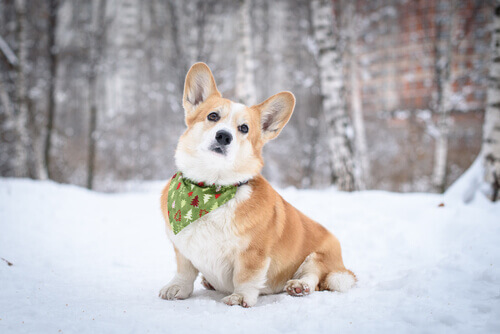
x=189 y=201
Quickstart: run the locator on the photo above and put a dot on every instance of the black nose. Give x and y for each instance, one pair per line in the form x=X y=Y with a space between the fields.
x=223 y=137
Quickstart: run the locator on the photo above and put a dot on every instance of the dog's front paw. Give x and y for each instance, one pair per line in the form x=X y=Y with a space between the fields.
x=297 y=287
x=237 y=299
x=175 y=291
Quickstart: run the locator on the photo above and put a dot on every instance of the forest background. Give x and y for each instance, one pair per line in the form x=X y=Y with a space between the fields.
x=390 y=94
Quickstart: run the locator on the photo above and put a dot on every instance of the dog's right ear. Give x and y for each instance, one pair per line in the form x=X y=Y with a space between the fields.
x=199 y=85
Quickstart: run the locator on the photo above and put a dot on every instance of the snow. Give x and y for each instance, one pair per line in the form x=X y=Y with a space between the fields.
x=467 y=186
x=86 y=262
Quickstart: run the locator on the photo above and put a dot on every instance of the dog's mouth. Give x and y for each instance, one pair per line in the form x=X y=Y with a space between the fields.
x=218 y=149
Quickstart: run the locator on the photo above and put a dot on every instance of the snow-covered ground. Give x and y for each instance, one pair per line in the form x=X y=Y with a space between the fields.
x=92 y=262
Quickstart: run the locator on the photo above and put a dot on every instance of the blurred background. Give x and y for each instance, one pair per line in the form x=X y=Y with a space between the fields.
x=390 y=94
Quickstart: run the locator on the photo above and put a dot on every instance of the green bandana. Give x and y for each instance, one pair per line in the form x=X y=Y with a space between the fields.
x=189 y=201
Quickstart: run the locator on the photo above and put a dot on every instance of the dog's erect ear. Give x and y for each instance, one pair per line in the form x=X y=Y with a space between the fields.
x=199 y=85
x=275 y=113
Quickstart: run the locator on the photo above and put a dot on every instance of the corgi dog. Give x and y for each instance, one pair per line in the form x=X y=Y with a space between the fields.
x=254 y=242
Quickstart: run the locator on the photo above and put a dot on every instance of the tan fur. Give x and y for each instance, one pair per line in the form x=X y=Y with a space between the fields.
x=164 y=204
x=279 y=231
x=283 y=243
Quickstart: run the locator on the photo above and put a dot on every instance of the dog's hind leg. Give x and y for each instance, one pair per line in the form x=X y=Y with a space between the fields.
x=336 y=277
x=306 y=278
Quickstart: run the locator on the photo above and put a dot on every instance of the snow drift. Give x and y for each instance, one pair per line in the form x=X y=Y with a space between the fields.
x=91 y=262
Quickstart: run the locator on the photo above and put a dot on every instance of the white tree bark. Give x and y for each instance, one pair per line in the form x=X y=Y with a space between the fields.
x=53 y=57
x=4 y=96
x=129 y=26
x=5 y=101
x=178 y=45
x=332 y=88
x=245 y=82
x=7 y=52
x=443 y=72
x=441 y=146
x=28 y=152
x=356 y=106
x=96 y=47
x=491 y=130
x=21 y=146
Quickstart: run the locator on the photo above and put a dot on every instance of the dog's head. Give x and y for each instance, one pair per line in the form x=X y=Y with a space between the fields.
x=223 y=140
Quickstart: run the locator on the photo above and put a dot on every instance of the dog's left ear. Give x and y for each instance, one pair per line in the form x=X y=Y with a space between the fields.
x=275 y=113
x=199 y=86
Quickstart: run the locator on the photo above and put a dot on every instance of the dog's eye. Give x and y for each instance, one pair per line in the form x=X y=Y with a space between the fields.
x=213 y=116
x=243 y=128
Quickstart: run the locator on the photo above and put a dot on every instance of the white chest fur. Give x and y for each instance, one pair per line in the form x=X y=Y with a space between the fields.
x=212 y=244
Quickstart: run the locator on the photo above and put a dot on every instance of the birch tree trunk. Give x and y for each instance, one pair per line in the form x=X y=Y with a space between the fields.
x=22 y=142
x=4 y=96
x=491 y=130
x=8 y=105
x=5 y=101
x=180 y=59
x=357 y=110
x=51 y=31
x=245 y=82
x=97 y=22
x=337 y=121
x=28 y=154
x=443 y=67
